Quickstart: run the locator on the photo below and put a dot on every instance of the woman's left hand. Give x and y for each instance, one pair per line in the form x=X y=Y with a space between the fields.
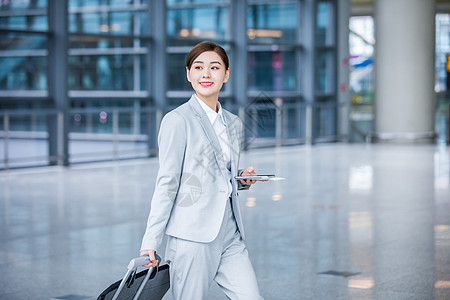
x=249 y=171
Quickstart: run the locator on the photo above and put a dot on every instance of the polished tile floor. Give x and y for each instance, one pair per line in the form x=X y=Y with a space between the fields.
x=351 y=221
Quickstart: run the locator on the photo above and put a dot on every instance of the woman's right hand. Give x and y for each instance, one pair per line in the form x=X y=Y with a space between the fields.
x=151 y=255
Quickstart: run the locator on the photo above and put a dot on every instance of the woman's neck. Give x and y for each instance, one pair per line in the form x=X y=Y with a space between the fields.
x=210 y=101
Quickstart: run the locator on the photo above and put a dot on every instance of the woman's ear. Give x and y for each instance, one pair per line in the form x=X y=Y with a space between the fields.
x=227 y=75
x=188 y=76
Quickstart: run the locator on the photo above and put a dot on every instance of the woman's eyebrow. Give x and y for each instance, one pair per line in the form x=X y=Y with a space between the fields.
x=201 y=62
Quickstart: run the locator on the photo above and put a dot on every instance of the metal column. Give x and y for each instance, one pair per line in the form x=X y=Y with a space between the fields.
x=343 y=70
x=156 y=58
x=57 y=81
x=307 y=27
x=238 y=23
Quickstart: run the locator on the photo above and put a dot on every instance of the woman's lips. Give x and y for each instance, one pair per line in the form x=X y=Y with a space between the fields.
x=206 y=84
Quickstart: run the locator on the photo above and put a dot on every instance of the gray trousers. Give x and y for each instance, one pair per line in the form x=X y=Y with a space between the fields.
x=194 y=266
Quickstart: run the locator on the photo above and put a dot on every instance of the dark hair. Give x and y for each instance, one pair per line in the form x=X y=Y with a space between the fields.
x=204 y=47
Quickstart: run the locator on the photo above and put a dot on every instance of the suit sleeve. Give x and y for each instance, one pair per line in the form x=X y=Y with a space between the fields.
x=241 y=140
x=172 y=145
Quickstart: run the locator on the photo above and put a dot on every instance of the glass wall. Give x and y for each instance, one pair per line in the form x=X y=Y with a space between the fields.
x=108 y=45
x=273 y=72
x=324 y=113
x=188 y=23
x=442 y=78
x=24 y=40
x=114 y=103
x=362 y=43
x=442 y=50
x=23 y=45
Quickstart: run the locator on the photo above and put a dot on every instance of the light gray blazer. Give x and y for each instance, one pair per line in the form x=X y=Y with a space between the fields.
x=191 y=187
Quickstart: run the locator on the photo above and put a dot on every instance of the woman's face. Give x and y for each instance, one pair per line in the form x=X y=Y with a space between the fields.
x=207 y=75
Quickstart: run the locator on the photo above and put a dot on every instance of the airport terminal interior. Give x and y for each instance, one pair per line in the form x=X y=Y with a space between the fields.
x=348 y=100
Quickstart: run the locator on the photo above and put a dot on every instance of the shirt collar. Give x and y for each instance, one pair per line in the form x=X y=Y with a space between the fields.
x=212 y=115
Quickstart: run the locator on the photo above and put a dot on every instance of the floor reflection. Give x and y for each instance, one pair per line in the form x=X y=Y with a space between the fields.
x=349 y=222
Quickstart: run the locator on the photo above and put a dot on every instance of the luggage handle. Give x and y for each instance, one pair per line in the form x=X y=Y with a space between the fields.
x=140 y=261
x=132 y=266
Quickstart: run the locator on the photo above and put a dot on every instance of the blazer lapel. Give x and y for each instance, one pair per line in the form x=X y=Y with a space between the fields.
x=209 y=130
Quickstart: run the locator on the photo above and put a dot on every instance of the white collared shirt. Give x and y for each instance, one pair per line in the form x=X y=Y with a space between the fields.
x=219 y=124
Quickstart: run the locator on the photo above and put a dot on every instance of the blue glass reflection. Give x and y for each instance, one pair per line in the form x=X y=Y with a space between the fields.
x=91 y=23
x=270 y=23
x=121 y=23
x=324 y=66
x=103 y=72
x=272 y=71
x=197 y=23
x=172 y=2
x=38 y=23
x=23 y=73
x=96 y=3
x=324 y=24
x=325 y=116
x=323 y=14
x=175 y=74
x=15 y=5
x=112 y=22
x=23 y=41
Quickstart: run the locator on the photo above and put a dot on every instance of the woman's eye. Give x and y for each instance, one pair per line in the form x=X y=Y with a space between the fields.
x=215 y=68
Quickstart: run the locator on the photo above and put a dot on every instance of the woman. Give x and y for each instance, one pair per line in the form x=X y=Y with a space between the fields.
x=195 y=200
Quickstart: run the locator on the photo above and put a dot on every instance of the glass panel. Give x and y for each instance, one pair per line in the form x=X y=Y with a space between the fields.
x=103 y=72
x=23 y=73
x=22 y=4
x=121 y=22
x=90 y=22
x=272 y=71
x=96 y=116
x=38 y=23
x=144 y=28
x=325 y=116
x=27 y=140
x=102 y=130
x=294 y=116
x=324 y=24
x=176 y=74
x=124 y=2
x=361 y=42
x=290 y=123
x=442 y=50
x=229 y=104
x=97 y=3
x=261 y=117
x=272 y=23
x=324 y=72
x=173 y=103
x=206 y=23
x=94 y=42
x=22 y=41
x=172 y=2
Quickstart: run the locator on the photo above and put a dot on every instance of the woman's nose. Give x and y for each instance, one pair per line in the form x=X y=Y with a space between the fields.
x=206 y=73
